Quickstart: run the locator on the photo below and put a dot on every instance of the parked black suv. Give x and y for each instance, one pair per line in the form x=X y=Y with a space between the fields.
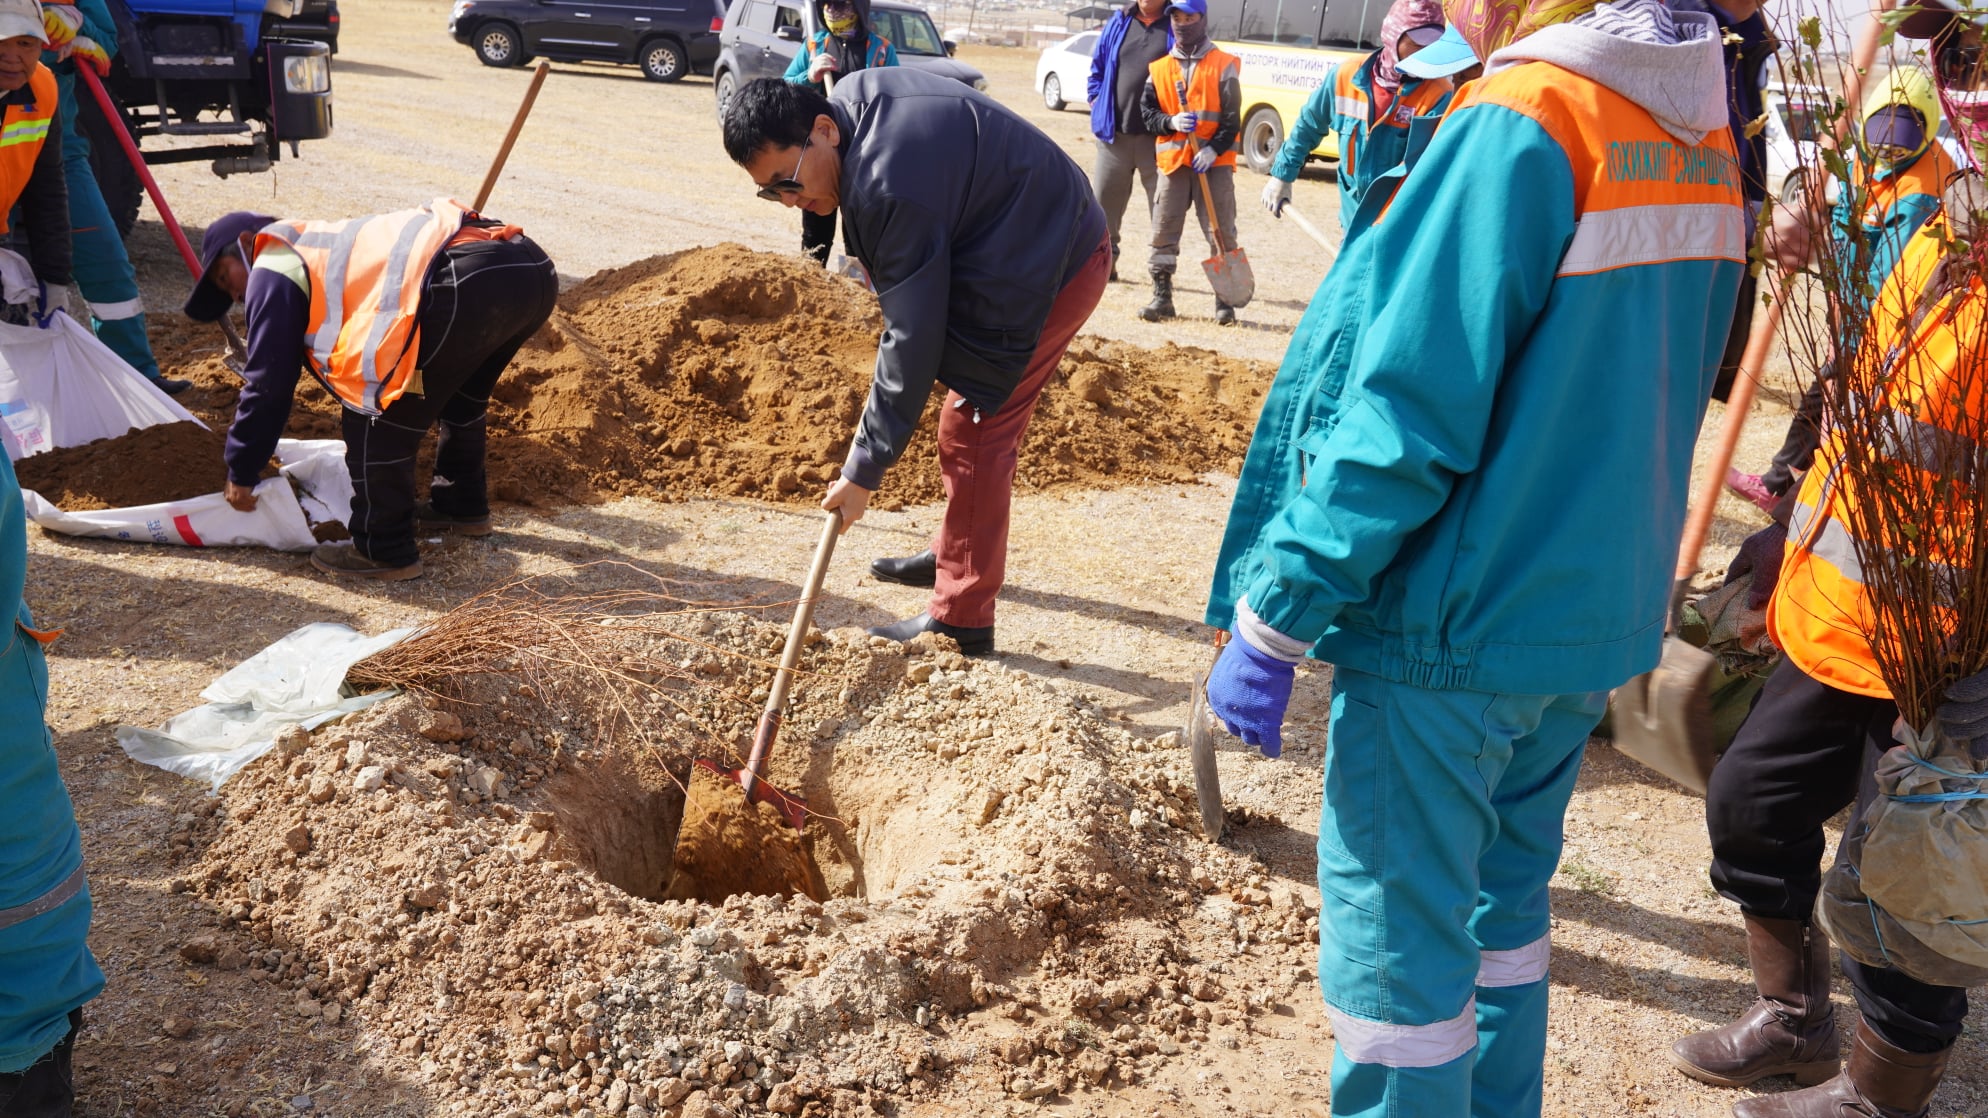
x=315 y=19
x=762 y=36
x=667 y=38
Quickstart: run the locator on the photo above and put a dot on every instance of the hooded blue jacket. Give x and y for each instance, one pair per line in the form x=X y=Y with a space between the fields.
x=1495 y=460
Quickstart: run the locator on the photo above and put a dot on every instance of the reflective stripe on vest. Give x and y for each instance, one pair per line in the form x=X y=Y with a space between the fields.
x=1204 y=98
x=22 y=132
x=1821 y=615
x=366 y=276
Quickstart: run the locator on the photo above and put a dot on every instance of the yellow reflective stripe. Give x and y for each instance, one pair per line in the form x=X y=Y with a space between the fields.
x=27 y=131
x=284 y=261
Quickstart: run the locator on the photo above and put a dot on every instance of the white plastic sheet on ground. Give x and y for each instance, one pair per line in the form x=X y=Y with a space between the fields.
x=284 y=513
x=60 y=386
x=298 y=681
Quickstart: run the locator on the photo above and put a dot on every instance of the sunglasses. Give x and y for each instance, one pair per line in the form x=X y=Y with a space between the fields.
x=778 y=189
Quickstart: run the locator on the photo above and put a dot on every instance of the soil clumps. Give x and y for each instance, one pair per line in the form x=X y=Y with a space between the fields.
x=724 y=371
x=1017 y=901
x=151 y=465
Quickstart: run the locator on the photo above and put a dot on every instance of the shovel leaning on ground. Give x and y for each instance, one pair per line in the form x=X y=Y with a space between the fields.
x=1228 y=270
x=739 y=833
x=1199 y=737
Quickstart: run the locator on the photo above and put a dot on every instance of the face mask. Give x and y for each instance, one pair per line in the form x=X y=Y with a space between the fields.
x=841 y=26
x=1190 y=36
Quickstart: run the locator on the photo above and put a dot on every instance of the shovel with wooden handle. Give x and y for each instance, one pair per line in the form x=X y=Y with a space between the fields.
x=1304 y=223
x=1228 y=271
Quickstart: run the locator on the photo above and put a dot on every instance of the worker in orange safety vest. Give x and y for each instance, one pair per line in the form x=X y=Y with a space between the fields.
x=31 y=150
x=1809 y=745
x=408 y=319
x=1193 y=103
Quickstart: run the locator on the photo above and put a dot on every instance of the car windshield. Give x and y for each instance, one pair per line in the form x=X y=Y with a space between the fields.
x=911 y=32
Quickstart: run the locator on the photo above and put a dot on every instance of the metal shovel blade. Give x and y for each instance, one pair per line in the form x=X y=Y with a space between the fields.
x=1230 y=277
x=1663 y=719
x=1201 y=754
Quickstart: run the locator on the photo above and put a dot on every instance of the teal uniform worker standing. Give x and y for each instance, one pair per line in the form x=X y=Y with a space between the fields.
x=1460 y=550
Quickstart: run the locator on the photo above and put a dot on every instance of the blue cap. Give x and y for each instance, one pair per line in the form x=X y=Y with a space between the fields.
x=209 y=303
x=1196 y=7
x=1447 y=55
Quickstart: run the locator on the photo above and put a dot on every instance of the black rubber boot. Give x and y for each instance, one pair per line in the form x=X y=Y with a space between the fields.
x=1162 y=305
x=1225 y=315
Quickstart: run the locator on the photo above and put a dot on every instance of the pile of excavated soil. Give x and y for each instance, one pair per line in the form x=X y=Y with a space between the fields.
x=167 y=462
x=723 y=371
x=1016 y=901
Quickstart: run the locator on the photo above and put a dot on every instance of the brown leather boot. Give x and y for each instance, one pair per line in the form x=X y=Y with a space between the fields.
x=1791 y=1030
x=1880 y=1082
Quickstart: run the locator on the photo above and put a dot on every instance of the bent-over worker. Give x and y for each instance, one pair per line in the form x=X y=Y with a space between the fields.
x=407 y=319
x=987 y=252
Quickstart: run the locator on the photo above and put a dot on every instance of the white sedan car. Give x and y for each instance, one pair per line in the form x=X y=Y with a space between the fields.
x=1063 y=73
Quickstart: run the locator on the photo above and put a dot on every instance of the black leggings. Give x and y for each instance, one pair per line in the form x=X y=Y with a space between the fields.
x=45 y=1088
x=1805 y=752
x=482 y=301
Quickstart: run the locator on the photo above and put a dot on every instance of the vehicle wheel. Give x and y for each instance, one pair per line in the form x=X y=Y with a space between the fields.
x=1263 y=134
x=727 y=86
x=663 y=61
x=497 y=44
x=1791 y=190
x=117 y=179
x=1052 y=93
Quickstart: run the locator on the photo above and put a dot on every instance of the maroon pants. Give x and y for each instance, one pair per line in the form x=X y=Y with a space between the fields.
x=977 y=461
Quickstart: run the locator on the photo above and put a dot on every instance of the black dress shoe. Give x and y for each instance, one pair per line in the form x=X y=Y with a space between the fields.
x=973 y=642
x=173 y=386
x=921 y=569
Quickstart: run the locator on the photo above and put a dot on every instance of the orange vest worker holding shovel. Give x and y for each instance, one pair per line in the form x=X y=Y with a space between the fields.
x=1193 y=102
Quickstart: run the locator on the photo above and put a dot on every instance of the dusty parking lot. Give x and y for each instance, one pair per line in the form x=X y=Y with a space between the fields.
x=1104 y=604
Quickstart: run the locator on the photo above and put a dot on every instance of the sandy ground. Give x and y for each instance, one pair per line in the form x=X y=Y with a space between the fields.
x=1105 y=593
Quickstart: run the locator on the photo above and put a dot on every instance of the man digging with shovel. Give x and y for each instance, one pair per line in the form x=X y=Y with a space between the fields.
x=987 y=251
x=1193 y=102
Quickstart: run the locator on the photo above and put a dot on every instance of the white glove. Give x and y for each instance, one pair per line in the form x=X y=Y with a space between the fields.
x=49 y=300
x=1276 y=192
x=824 y=63
x=1185 y=122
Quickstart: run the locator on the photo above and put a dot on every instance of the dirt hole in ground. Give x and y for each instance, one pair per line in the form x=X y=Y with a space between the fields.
x=618 y=819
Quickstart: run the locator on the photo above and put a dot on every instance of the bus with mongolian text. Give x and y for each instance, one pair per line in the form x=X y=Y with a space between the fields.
x=1287 y=48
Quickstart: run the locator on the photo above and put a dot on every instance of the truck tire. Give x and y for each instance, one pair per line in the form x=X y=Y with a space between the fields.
x=663 y=60
x=1263 y=134
x=499 y=44
x=122 y=189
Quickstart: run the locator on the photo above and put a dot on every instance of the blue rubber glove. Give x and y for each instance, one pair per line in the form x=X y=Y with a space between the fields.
x=1963 y=717
x=1204 y=159
x=1249 y=690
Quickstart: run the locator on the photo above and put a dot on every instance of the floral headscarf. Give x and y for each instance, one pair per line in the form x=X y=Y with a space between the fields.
x=1490 y=25
x=1403 y=17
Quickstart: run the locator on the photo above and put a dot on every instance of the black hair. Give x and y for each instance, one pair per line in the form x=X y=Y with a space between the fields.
x=770 y=112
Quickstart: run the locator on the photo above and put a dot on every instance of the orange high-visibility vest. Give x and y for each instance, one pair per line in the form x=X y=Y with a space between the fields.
x=21 y=136
x=1204 y=96
x=366 y=278
x=1925 y=360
